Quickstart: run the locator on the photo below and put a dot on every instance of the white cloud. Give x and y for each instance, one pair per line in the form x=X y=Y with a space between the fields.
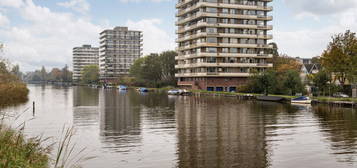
x=309 y=42
x=155 y=39
x=320 y=7
x=4 y=21
x=312 y=42
x=136 y=1
x=81 y=6
x=11 y=3
x=47 y=38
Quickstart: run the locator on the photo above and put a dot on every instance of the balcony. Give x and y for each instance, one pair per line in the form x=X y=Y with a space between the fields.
x=222 y=15
x=213 y=74
x=233 y=65
x=223 y=25
x=205 y=34
x=202 y=3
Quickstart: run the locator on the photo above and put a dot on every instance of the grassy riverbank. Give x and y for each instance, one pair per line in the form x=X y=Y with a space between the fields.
x=17 y=151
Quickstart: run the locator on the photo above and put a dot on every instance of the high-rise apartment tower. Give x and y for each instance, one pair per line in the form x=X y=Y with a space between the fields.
x=83 y=56
x=119 y=48
x=221 y=42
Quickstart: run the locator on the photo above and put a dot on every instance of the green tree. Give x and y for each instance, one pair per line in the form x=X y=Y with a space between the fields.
x=321 y=81
x=66 y=74
x=340 y=57
x=43 y=74
x=264 y=82
x=293 y=82
x=90 y=74
x=275 y=50
x=55 y=75
x=167 y=64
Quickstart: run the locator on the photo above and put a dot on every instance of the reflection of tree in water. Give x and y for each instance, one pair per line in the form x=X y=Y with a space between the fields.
x=124 y=114
x=340 y=128
x=156 y=108
x=85 y=106
x=85 y=96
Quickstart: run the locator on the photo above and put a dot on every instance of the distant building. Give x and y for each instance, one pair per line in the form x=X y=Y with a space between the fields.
x=304 y=60
x=309 y=69
x=83 y=56
x=119 y=48
x=221 y=42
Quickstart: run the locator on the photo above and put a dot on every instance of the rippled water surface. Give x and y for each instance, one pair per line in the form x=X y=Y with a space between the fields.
x=132 y=130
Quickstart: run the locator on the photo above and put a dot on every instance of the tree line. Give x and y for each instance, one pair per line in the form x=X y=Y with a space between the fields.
x=153 y=70
x=337 y=73
x=55 y=75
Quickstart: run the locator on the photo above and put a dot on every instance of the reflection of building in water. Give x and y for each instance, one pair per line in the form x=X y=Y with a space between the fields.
x=118 y=117
x=85 y=106
x=215 y=133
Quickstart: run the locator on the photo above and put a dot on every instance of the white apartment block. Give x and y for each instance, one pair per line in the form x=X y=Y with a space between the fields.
x=119 y=48
x=220 y=42
x=83 y=56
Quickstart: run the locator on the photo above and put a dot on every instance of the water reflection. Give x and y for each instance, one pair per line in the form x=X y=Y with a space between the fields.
x=85 y=106
x=129 y=129
x=215 y=132
x=339 y=126
x=119 y=120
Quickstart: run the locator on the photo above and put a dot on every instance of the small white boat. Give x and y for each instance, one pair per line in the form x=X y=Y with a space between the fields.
x=122 y=87
x=301 y=100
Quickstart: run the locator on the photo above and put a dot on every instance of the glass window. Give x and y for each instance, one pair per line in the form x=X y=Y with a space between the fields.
x=212 y=50
x=212 y=40
x=233 y=50
x=211 y=10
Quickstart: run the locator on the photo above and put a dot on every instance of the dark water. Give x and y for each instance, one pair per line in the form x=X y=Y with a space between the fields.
x=130 y=130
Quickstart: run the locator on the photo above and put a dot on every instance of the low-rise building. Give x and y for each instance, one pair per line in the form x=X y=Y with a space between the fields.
x=83 y=56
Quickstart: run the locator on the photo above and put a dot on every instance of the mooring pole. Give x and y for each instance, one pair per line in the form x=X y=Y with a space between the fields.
x=33 y=108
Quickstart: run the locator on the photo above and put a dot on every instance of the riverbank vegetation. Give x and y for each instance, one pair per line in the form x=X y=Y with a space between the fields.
x=17 y=151
x=339 y=66
x=154 y=70
x=90 y=74
x=283 y=79
x=12 y=90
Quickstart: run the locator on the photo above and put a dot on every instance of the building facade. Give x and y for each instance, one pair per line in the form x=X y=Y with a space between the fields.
x=220 y=42
x=119 y=48
x=83 y=56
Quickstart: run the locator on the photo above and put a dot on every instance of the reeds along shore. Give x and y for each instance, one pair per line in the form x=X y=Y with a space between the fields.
x=13 y=93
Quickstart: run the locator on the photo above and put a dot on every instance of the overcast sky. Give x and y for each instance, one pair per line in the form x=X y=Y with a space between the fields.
x=43 y=32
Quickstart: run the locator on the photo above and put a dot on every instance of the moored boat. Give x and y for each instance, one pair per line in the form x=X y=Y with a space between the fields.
x=142 y=90
x=182 y=92
x=270 y=98
x=122 y=87
x=301 y=100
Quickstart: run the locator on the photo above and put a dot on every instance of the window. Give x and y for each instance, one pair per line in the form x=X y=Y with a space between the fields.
x=211 y=10
x=211 y=40
x=212 y=50
x=211 y=20
x=233 y=50
x=211 y=30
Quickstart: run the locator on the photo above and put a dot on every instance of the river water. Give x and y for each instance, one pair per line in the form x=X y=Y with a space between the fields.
x=154 y=130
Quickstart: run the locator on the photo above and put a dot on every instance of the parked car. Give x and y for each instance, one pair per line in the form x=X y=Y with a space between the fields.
x=339 y=94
